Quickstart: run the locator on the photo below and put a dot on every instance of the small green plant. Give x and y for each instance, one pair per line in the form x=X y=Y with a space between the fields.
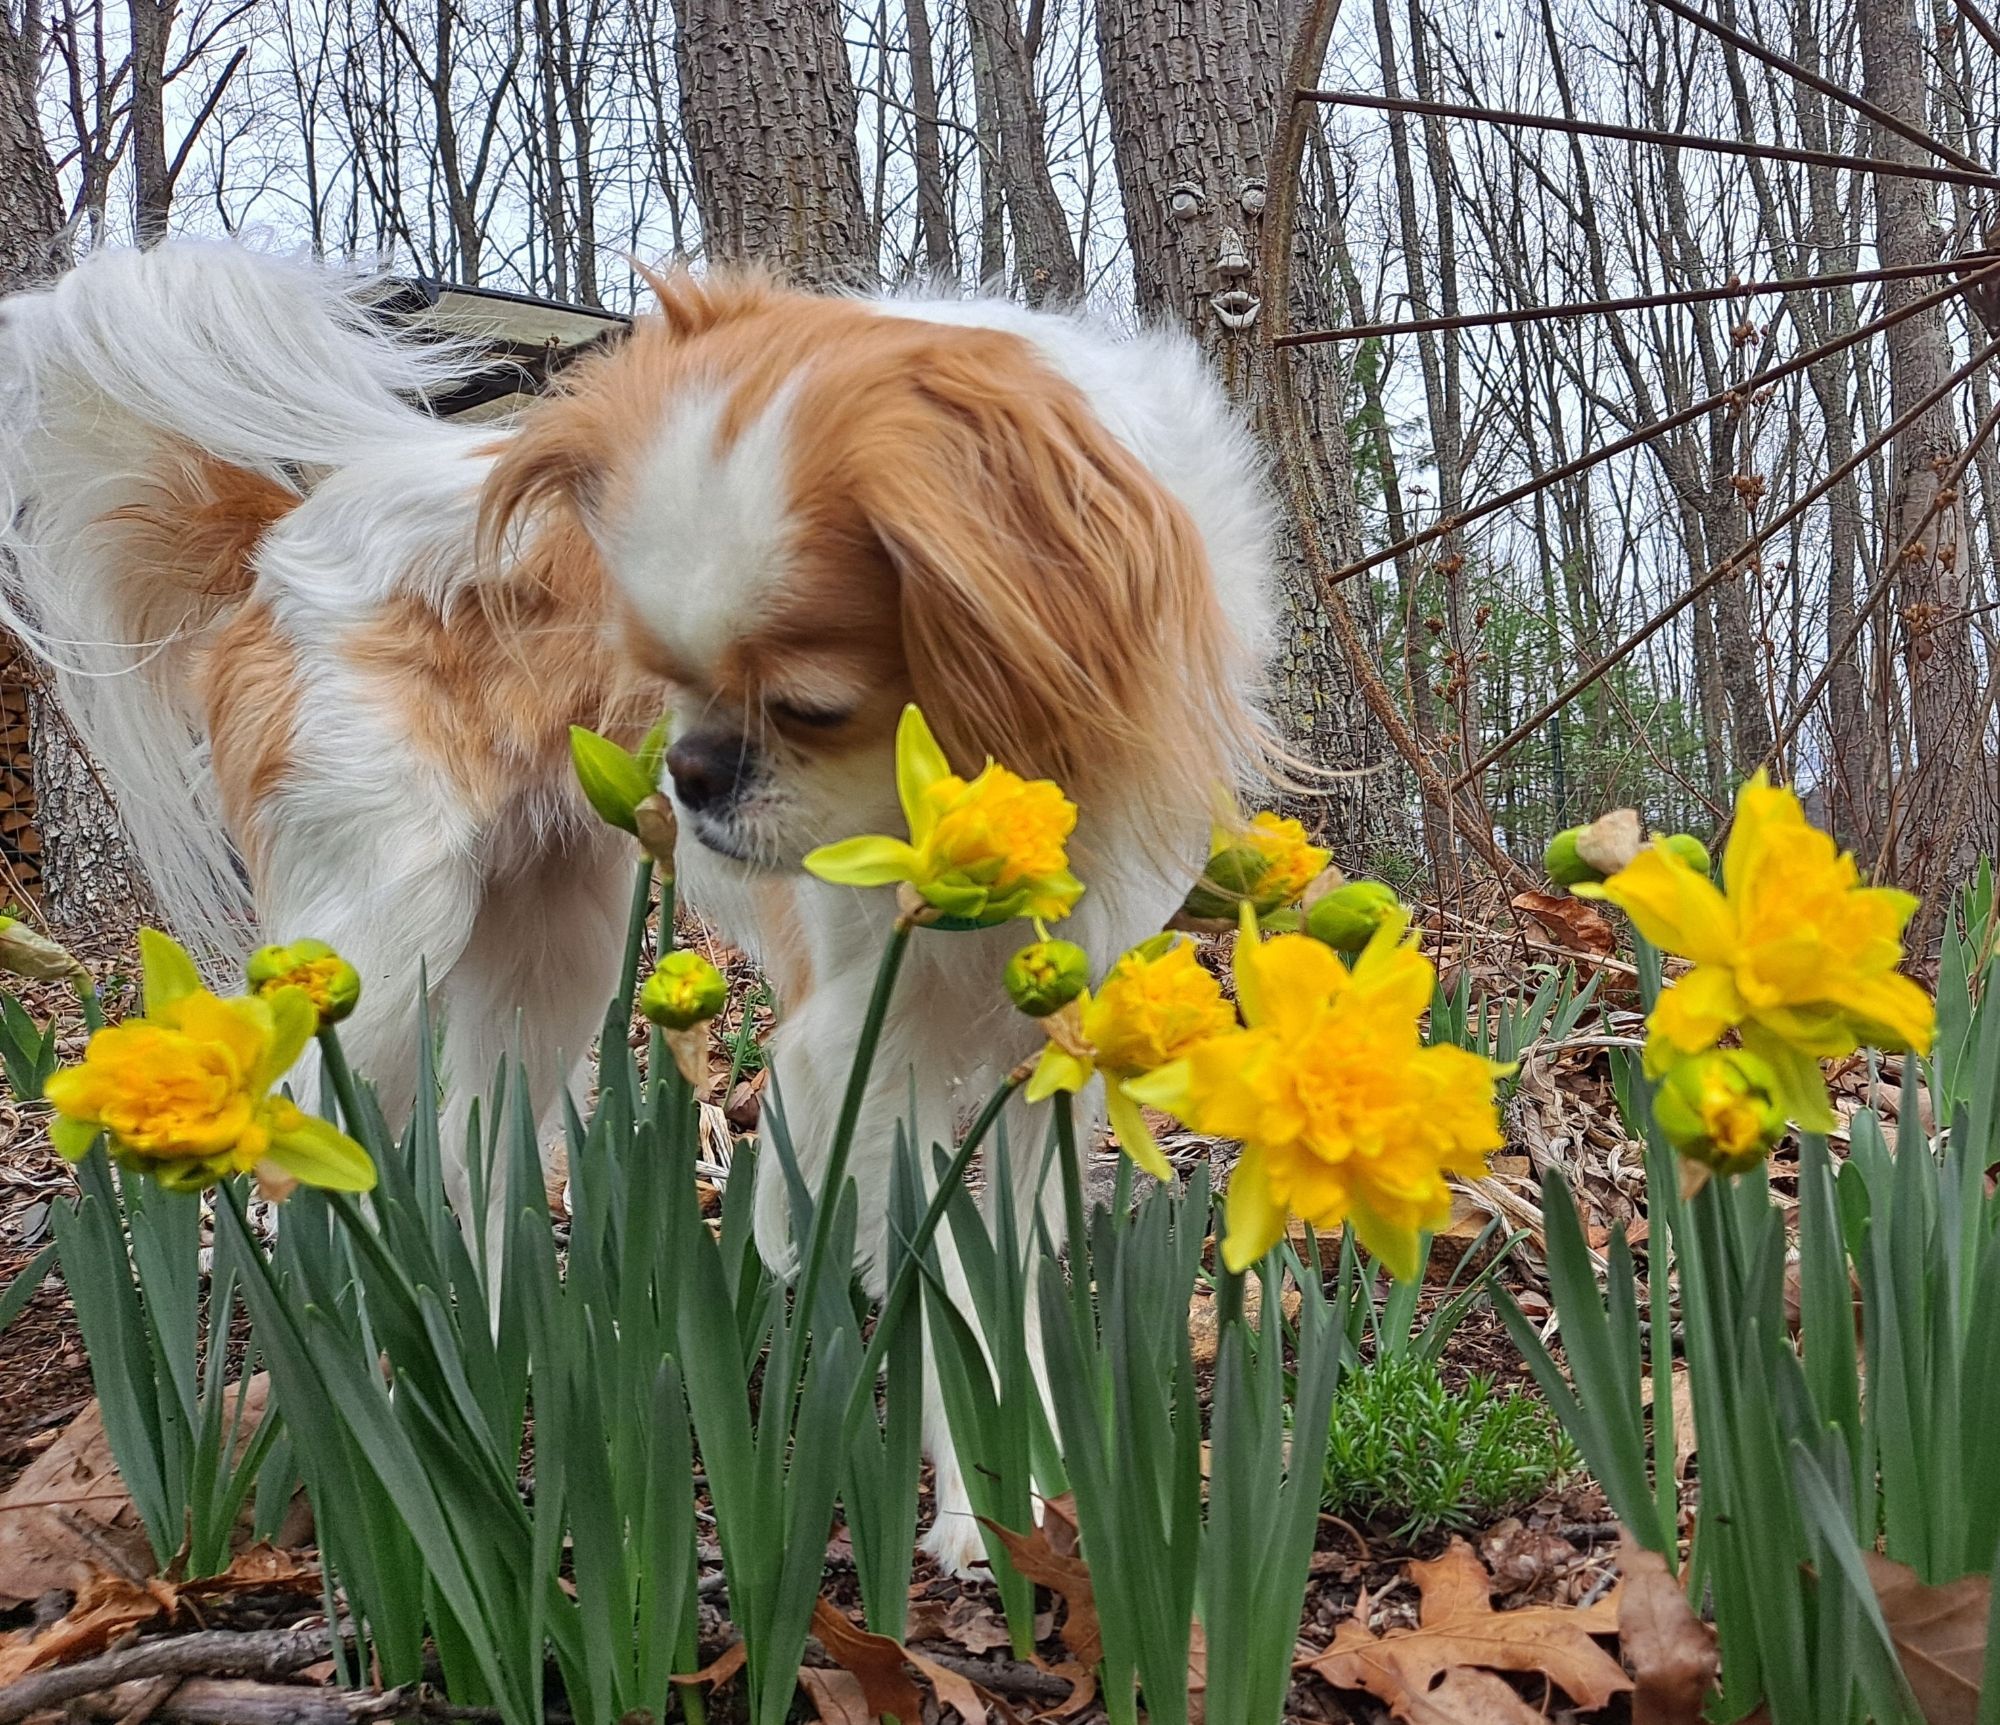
x=1409 y=1450
x=746 y=1053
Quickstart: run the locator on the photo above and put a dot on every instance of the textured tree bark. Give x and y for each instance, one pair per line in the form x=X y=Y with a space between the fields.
x=767 y=102
x=927 y=146
x=89 y=888
x=1947 y=711
x=1045 y=259
x=1193 y=88
x=152 y=181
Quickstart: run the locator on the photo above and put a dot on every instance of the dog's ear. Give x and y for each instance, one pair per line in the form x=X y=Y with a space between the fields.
x=1057 y=606
x=556 y=460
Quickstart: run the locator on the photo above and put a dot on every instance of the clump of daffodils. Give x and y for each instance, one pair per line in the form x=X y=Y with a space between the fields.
x=183 y=1092
x=1345 y=1116
x=1155 y=1005
x=328 y=980
x=1268 y=864
x=980 y=851
x=1792 y=953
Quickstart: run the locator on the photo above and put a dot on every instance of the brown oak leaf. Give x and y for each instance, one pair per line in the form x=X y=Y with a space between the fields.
x=875 y=1660
x=1667 y=1648
x=1569 y=921
x=1940 y=1636
x=1457 y=1626
x=1040 y=1562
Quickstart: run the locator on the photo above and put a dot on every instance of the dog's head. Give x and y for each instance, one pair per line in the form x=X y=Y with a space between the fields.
x=816 y=510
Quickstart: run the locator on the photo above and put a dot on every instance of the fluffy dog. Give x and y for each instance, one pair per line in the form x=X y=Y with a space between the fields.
x=328 y=648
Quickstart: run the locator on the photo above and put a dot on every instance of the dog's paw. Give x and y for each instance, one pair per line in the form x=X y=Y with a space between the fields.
x=956 y=1545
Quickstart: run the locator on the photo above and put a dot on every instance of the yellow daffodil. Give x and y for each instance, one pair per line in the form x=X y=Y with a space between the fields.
x=330 y=982
x=1155 y=1005
x=1792 y=951
x=183 y=1092
x=1721 y=1109
x=980 y=851
x=1046 y=975
x=684 y=990
x=1344 y=1115
x=1267 y=865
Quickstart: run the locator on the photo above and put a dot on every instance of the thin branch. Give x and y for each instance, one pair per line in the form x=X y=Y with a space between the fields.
x=1727 y=567
x=1649 y=135
x=1634 y=302
x=1673 y=422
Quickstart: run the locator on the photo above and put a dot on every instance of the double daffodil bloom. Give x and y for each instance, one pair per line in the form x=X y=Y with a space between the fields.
x=1267 y=865
x=980 y=852
x=1155 y=1005
x=183 y=1092
x=1721 y=1110
x=1792 y=952
x=330 y=982
x=1344 y=1115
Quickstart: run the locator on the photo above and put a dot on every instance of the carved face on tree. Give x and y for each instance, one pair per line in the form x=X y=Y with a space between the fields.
x=1229 y=226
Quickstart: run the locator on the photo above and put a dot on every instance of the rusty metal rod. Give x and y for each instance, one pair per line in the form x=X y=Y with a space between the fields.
x=1947 y=486
x=1727 y=567
x=1825 y=86
x=1634 y=302
x=1647 y=135
x=1673 y=421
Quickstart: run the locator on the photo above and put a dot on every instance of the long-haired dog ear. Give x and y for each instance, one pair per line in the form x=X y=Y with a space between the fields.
x=1057 y=606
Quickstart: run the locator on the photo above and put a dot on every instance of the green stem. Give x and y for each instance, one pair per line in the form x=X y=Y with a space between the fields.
x=1121 y=1191
x=1228 y=1298
x=341 y=1077
x=1072 y=1179
x=635 y=932
x=86 y=997
x=850 y=1112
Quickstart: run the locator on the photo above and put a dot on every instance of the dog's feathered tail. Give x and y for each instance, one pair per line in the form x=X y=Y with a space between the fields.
x=159 y=411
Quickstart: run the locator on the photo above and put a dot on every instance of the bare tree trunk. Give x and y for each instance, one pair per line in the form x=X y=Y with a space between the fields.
x=1192 y=88
x=1044 y=252
x=927 y=146
x=88 y=886
x=768 y=106
x=151 y=22
x=1946 y=711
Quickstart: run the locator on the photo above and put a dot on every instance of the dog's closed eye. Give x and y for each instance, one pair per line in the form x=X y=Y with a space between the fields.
x=808 y=717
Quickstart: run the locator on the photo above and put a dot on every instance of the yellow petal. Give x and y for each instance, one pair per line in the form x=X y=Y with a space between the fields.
x=1672 y=905
x=294 y=1019
x=870 y=860
x=1890 y=1011
x=1395 y=1246
x=1133 y=1133
x=1057 y=1069
x=1254 y=1219
x=1295 y=977
x=314 y=1152
x=1762 y=809
x=1249 y=992
x=72 y=1138
x=1694 y=1013
x=1167 y=1088
x=169 y=975
x=920 y=763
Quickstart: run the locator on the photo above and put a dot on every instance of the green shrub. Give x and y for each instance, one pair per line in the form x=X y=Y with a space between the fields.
x=1407 y=1449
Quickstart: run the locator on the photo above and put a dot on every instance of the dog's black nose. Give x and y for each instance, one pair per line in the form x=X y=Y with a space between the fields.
x=709 y=768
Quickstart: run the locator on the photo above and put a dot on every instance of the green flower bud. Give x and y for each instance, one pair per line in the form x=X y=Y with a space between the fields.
x=1046 y=976
x=613 y=780
x=1561 y=862
x=331 y=983
x=1227 y=879
x=1721 y=1109
x=1689 y=849
x=683 y=991
x=1346 y=918
x=35 y=956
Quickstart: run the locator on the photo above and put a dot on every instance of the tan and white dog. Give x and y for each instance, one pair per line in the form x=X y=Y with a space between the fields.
x=328 y=648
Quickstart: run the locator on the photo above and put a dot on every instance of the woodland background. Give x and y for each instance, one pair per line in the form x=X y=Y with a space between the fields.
x=1806 y=562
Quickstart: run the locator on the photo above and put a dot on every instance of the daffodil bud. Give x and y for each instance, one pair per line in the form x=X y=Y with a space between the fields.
x=1346 y=918
x=1561 y=862
x=1046 y=976
x=683 y=991
x=1721 y=1109
x=330 y=982
x=1689 y=849
x=657 y=826
x=1267 y=864
x=613 y=780
x=1228 y=878
x=35 y=956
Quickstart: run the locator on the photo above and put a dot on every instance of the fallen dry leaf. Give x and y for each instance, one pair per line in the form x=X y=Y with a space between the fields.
x=1468 y=1697
x=1667 y=1648
x=1685 y=1443
x=876 y=1662
x=1940 y=1636
x=954 y=1690
x=838 y=1697
x=718 y=1670
x=1457 y=1626
x=1522 y=1558
x=1035 y=1558
x=1569 y=922
x=975 y=1625
x=106 y=1607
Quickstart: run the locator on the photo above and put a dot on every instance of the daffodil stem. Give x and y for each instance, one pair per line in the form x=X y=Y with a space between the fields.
x=1072 y=1179
x=635 y=933
x=1121 y=1191
x=850 y=1110
x=1228 y=1297
x=86 y=997
x=340 y=1076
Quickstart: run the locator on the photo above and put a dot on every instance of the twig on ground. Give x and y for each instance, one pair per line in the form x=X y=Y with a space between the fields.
x=210 y=1653
x=1006 y=1677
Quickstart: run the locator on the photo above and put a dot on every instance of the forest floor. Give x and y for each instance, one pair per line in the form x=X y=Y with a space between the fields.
x=1553 y=1556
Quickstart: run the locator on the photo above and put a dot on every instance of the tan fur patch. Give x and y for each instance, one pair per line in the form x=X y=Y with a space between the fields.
x=250 y=677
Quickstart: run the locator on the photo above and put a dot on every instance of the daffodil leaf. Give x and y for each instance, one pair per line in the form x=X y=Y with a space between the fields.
x=316 y=1153
x=920 y=763
x=169 y=975
x=870 y=860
